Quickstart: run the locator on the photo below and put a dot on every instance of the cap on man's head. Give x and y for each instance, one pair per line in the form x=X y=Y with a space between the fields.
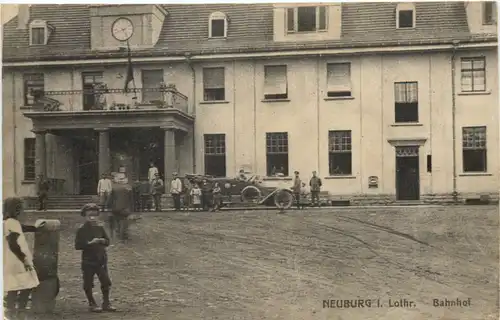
x=296 y=172
x=89 y=207
x=174 y=174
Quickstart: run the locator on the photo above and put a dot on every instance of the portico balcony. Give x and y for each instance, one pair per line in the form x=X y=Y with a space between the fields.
x=100 y=106
x=101 y=98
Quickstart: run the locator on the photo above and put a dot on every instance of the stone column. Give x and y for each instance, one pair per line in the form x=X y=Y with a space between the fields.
x=104 y=152
x=40 y=153
x=169 y=157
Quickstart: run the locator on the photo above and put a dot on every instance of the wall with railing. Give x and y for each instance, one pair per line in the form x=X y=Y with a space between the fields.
x=100 y=97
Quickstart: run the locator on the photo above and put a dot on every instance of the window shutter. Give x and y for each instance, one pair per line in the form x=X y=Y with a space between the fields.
x=275 y=81
x=412 y=92
x=339 y=77
x=321 y=18
x=400 y=92
x=213 y=78
x=290 y=16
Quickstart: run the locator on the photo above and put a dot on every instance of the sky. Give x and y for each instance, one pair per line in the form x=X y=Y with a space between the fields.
x=9 y=11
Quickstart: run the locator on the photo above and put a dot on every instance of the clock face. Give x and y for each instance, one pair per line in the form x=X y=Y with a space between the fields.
x=122 y=29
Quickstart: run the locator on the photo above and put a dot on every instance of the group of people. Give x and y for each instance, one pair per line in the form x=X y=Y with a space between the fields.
x=300 y=191
x=19 y=274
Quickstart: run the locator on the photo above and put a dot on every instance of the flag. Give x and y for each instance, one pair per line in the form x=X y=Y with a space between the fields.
x=130 y=70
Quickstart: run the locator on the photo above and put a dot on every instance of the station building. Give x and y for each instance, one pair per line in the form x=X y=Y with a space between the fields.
x=386 y=101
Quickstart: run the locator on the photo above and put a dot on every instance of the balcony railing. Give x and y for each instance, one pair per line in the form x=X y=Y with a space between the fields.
x=101 y=98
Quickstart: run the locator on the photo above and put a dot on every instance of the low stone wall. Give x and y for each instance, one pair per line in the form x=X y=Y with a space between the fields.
x=442 y=198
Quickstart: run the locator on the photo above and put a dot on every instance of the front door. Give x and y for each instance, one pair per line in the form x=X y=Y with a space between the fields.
x=407 y=173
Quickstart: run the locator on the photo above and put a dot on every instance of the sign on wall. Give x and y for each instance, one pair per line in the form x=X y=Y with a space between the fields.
x=373 y=182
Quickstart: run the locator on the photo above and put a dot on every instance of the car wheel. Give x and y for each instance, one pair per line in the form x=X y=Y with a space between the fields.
x=251 y=194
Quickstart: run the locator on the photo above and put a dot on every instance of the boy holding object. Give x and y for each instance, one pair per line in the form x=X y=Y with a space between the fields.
x=92 y=240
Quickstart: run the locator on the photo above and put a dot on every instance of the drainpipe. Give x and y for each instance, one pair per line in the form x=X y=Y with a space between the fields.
x=14 y=134
x=187 y=55
x=453 y=123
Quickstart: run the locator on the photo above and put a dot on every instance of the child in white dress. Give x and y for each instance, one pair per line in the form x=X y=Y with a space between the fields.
x=196 y=197
x=19 y=275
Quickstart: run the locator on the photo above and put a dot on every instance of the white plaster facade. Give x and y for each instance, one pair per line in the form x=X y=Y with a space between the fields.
x=306 y=116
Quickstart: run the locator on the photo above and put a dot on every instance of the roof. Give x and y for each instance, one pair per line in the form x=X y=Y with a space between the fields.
x=250 y=30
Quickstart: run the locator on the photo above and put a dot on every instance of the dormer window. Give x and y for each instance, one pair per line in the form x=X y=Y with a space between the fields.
x=306 y=19
x=217 y=25
x=489 y=12
x=405 y=16
x=40 y=32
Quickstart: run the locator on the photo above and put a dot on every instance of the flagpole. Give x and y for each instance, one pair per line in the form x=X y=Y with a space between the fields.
x=133 y=78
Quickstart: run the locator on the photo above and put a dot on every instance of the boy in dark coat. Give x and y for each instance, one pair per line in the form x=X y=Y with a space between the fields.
x=92 y=240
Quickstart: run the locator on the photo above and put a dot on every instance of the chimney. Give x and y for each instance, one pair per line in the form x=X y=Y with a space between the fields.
x=23 y=16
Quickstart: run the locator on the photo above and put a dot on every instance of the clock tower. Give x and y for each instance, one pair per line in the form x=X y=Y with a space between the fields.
x=112 y=26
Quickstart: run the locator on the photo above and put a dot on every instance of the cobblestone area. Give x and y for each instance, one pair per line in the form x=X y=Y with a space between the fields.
x=263 y=265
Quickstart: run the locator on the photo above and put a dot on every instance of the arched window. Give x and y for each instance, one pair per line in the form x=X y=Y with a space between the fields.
x=217 y=25
x=405 y=15
x=40 y=32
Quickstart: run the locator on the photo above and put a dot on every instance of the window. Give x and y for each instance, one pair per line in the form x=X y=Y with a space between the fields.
x=406 y=101
x=306 y=19
x=213 y=84
x=215 y=155
x=29 y=159
x=473 y=74
x=339 y=79
x=275 y=82
x=340 y=152
x=90 y=81
x=429 y=163
x=277 y=154
x=37 y=36
x=405 y=15
x=34 y=86
x=217 y=25
x=474 y=149
x=151 y=80
x=490 y=12
x=40 y=32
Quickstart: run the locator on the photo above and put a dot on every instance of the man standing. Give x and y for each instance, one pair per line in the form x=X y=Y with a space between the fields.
x=104 y=189
x=121 y=199
x=157 y=191
x=315 y=184
x=43 y=191
x=297 y=185
x=152 y=172
x=176 y=190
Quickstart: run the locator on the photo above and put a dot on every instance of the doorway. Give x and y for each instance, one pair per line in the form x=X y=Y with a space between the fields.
x=88 y=168
x=140 y=147
x=407 y=173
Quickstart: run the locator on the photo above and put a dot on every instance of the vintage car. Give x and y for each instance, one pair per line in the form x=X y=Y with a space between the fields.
x=247 y=189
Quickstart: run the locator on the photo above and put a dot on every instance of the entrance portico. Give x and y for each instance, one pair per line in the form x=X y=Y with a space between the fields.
x=101 y=141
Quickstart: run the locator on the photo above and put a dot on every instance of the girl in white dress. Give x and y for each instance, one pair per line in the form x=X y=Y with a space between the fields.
x=19 y=275
x=196 y=197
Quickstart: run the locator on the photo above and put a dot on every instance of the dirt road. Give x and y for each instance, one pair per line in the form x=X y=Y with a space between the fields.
x=263 y=265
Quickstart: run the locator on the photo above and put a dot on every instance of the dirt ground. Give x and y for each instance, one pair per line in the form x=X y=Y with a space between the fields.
x=263 y=265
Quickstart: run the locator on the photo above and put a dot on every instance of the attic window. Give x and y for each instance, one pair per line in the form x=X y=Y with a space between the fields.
x=217 y=25
x=40 y=32
x=489 y=12
x=405 y=16
x=306 y=19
